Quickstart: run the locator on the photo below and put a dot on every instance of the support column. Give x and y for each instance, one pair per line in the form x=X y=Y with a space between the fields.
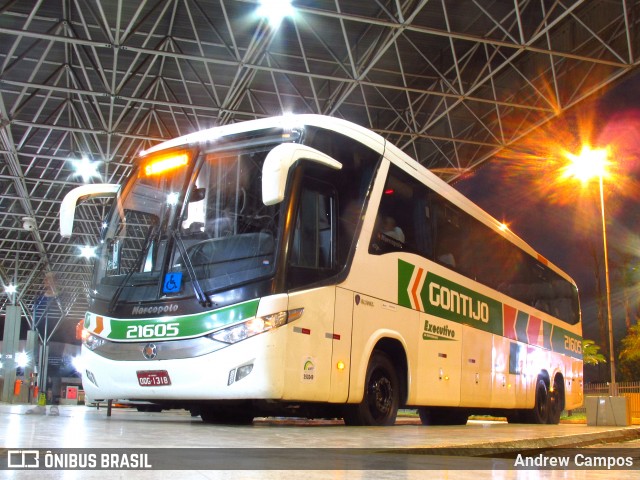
x=31 y=370
x=9 y=348
x=44 y=371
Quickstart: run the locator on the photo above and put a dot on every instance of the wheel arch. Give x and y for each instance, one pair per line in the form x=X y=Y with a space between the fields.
x=393 y=345
x=396 y=351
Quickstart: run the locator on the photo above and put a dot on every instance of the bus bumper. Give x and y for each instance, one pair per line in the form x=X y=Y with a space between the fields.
x=251 y=369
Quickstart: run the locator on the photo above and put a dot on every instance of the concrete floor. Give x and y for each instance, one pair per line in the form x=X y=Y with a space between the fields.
x=22 y=427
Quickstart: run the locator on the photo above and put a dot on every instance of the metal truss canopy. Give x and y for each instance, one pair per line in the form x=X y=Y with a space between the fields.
x=450 y=82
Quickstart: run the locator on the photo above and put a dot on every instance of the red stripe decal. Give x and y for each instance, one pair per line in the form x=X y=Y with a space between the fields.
x=306 y=331
x=99 y=325
x=414 y=290
x=533 y=331
x=509 y=325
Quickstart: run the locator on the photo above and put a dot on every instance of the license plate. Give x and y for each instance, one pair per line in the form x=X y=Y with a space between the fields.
x=153 y=378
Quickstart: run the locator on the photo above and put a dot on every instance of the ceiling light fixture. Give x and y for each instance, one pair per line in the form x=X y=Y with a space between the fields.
x=275 y=11
x=86 y=169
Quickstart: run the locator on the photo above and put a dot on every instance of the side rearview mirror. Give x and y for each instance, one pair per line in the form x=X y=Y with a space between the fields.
x=68 y=207
x=278 y=163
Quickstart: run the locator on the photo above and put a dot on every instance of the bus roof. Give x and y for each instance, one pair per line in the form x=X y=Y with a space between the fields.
x=286 y=122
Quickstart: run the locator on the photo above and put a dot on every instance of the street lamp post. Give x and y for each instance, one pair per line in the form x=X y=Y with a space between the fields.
x=613 y=387
x=588 y=164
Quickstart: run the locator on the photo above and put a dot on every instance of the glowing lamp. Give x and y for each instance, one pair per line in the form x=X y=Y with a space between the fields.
x=162 y=164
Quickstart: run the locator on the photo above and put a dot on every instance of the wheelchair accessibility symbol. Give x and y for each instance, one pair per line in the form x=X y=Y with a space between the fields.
x=172 y=282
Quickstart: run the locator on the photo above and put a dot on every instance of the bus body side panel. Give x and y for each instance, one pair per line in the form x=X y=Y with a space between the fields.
x=574 y=394
x=375 y=319
x=307 y=365
x=342 y=332
x=476 y=380
x=538 y=361
x=509 y=380
x=439 y=368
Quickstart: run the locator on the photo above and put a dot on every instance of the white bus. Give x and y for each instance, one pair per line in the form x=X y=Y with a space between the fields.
x=304 y=266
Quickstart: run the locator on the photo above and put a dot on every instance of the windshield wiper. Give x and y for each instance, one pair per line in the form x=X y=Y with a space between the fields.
x=197 y=289
x=136 y=268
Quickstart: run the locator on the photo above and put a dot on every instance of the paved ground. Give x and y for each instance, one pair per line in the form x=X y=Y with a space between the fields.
x=310 y=450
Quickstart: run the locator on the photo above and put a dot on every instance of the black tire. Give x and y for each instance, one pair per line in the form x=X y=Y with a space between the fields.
x=225 y=416
x=149 y=408
x=443 y=416
x=556 y=402
x=379 y=406
x=540 y=411
x=513 y=416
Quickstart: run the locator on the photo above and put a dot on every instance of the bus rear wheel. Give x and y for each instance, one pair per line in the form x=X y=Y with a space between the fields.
x=379 y=406
x=556 y=402
x=540 y=411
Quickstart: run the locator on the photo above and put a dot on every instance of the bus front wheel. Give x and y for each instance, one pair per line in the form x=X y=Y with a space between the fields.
x=379 y=406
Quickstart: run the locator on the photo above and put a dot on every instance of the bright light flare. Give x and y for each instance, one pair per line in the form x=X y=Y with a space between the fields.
x=77 y=364
x=10 y=289
x=275 y=11
x=86 y=169
x=165 y=163
x=172 y=198
x=22 y=359
x=87 y=251
x=590 y=163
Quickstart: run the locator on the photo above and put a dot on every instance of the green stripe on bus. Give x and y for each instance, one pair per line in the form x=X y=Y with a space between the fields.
x=546 y=328
x=521 y=326
x=565 y=342
x=168 y=328
x=405 y=272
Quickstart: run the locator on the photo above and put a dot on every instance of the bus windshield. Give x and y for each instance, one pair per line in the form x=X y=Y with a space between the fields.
x=195 y=223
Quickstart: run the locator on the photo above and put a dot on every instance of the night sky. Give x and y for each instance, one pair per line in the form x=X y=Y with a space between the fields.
x=562 y=220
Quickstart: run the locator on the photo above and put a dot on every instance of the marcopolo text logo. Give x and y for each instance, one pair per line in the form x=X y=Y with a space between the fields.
x=168 y=308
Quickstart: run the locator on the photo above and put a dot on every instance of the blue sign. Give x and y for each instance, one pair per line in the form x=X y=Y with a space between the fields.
x=172 y=282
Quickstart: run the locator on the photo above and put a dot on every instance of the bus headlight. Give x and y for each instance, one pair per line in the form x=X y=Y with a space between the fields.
x=255 y=326
x=92 y=341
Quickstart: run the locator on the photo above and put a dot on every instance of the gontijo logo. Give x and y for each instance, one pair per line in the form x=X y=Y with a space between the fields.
x=438 y=296
x=459 y=303
x=442 y=298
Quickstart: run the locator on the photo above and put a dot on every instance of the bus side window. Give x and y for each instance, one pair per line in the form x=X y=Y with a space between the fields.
x=312 y=255
x=402 y=218
x=449 y=237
